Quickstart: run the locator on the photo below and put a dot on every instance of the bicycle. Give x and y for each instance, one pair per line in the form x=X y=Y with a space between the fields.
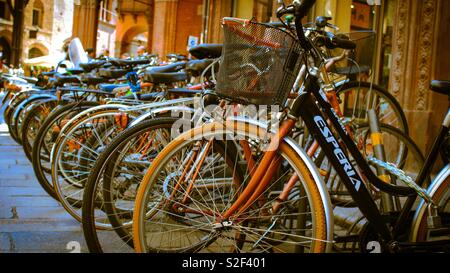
x=85 y=136
x=247 y=217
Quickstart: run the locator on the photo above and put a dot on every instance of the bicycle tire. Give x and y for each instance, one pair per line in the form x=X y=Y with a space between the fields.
x=19 y=115
x=39 y=143
x=71 y=203
x=32 y=122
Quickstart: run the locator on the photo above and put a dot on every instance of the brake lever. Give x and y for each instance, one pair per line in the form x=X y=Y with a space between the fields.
x=333 y=26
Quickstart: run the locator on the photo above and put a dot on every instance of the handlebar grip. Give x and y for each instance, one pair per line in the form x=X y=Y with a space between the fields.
x=342 y=43
x=332 y=43
x=283 y=11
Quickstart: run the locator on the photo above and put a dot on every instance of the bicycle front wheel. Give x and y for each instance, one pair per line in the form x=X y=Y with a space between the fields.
x=191 y=184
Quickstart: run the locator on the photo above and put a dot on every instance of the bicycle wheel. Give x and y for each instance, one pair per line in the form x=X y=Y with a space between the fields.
x=46 y=137
x=33 y=121
x=440 y=194
x=109 y=193
x=19 y=114
x=174 y=214
x=12 y=104
x=75 y=153
x=358 y=97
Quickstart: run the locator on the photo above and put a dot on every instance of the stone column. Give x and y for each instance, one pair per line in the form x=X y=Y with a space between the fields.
x=164 y=27
x=18 y=30
x=416 y=29
x=85 y=23
x=217 y=10
x=149 y=14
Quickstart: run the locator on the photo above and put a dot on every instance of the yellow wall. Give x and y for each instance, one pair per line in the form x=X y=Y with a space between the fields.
x=244 y=9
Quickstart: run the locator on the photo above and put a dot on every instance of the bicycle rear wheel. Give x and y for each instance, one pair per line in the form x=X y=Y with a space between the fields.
x=47 y=136
x=33 y=121
x=75 y=152
x=109 y=194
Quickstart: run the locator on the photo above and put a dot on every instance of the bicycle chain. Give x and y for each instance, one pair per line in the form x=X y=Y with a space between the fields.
x=400 y=174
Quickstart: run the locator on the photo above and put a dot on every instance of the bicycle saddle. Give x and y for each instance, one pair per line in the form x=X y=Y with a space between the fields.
x=60 y=80
x=442 y=87
x=75 y=71
x=88 y=67
x=204 y=51
x=125 y=63
x=196 y=67
x=92 y=80
x=110 y=87
x=111 y=73
x=165 y=77
x=167 y=68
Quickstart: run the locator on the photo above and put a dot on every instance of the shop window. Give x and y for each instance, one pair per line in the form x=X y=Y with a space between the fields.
x=362 y=15
x=380 y=19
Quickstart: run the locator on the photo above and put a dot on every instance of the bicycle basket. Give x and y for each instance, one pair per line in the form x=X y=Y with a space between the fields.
x=259 y=63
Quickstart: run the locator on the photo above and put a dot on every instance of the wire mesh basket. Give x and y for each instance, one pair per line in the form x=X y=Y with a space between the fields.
x=259 y=63
x=361 y=59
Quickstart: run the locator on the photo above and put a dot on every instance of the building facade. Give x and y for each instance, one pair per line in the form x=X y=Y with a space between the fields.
x=48 y=23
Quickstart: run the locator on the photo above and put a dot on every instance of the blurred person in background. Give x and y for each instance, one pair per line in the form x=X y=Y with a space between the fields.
x=141 y=51
x=91 y=54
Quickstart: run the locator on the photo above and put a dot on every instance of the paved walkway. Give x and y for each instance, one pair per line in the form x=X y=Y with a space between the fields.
x=30 y=220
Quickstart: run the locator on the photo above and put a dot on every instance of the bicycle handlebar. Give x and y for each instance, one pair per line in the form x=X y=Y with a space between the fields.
x=299 y=10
